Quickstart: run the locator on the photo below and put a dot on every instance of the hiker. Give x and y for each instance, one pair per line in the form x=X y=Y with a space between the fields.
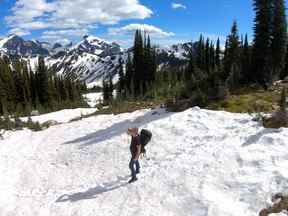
x=280 y=203
x=135 y=149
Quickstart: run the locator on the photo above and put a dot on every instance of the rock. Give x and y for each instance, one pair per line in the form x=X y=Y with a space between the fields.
x=277 y=120
x=50 y=123
x=34 y=113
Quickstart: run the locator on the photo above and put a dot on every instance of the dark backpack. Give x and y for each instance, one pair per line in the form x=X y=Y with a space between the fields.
x=145 y=137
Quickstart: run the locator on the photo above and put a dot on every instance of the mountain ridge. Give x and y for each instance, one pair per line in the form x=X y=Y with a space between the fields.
x=91 y=60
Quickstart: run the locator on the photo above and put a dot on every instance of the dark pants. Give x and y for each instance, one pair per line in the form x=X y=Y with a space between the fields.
x=134 y=167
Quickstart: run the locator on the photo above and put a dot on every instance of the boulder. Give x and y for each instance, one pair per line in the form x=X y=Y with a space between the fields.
x=50 y=123
x=34 y=113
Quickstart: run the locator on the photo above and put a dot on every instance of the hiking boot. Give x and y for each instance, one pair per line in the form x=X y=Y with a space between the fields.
x=133 y=179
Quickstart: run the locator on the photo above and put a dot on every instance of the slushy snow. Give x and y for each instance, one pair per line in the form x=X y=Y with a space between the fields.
x=199 y=163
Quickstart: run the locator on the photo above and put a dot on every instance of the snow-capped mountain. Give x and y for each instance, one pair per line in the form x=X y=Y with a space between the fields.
x=15 y=45
x=90 y=60
x=174 y=55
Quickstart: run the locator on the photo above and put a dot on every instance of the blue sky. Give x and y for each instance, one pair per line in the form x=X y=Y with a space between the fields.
x=167 y=21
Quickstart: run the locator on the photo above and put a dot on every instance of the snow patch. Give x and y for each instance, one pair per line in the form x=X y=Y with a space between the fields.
x=61 y=116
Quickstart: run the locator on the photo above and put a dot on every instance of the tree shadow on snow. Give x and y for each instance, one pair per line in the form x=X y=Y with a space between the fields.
x=256 y=137
x=93 y=192
x=119 y=128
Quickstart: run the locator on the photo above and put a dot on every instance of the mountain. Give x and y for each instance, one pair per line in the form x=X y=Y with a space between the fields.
x=90 y=60
x=15 y=45
x=174 y=55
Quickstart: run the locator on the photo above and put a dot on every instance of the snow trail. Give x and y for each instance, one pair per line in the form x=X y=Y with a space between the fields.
x=200 y=163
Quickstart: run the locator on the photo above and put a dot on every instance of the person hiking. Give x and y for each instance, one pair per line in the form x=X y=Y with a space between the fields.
x=135 y=149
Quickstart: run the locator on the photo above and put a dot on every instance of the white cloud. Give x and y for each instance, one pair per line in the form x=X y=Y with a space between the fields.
x=150 y=29
x=77 y=14
x=178 y=6
x=19 y=32
x=26 y=11
x=60 y=36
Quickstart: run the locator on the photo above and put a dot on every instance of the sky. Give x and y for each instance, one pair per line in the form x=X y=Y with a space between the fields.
x=167 y=21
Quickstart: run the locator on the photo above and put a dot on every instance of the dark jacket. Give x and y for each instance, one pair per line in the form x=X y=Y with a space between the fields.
x=135 y=142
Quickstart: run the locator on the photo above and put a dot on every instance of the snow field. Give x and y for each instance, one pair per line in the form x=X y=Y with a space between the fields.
x=199 y=163
x=62 y=116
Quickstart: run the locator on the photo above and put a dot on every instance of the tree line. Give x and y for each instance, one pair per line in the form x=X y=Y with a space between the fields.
x=23 y=90
x=137 y=76
x=211 y=72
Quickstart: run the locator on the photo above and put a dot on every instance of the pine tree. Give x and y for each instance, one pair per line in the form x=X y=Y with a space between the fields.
x=261 y=57
x=105 y=92
x=278 y=38
x=201 y=53
x=190 y=70
x=245 y=62
x=217 y=54
x=207 y=56
x=283 y=101
x=110 y=88
x=122 y=81
x=232 y=53
x=42 y=82
x=138 y=63
x=129 y=74
x=212 y=56
x=284 y=72
x=3 y=98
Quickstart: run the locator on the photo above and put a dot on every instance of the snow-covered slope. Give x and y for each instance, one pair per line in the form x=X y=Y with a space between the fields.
x=199 y=163
x=91 y=60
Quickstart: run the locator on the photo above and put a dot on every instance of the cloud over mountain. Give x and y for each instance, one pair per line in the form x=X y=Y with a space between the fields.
x=60 y=15
x=150 y=29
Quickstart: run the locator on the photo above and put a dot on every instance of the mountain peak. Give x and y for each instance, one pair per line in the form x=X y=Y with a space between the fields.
x=15 y=45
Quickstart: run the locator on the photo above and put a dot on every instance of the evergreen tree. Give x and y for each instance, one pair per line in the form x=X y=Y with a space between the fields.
x=278 y=38
x=217 y=54
x=110 y=88
x=283 y=101
x=284 y=72
x=138 y=61
x=261 y=57
x=207 y=56
x=190 y=70
x=232 y=53
x=201 y=53
x=245 y=62
x=42 y=82
x=212 y=56
x=129 y=73
x=122 y=81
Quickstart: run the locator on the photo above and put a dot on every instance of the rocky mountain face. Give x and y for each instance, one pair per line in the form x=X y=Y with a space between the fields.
x=91 y=60
x=15 y=45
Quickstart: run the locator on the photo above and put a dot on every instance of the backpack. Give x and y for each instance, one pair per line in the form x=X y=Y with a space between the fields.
x=145 y=137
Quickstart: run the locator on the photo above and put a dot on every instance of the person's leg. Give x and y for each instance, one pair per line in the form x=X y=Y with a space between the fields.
x=132 y=168
x=137 y=167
